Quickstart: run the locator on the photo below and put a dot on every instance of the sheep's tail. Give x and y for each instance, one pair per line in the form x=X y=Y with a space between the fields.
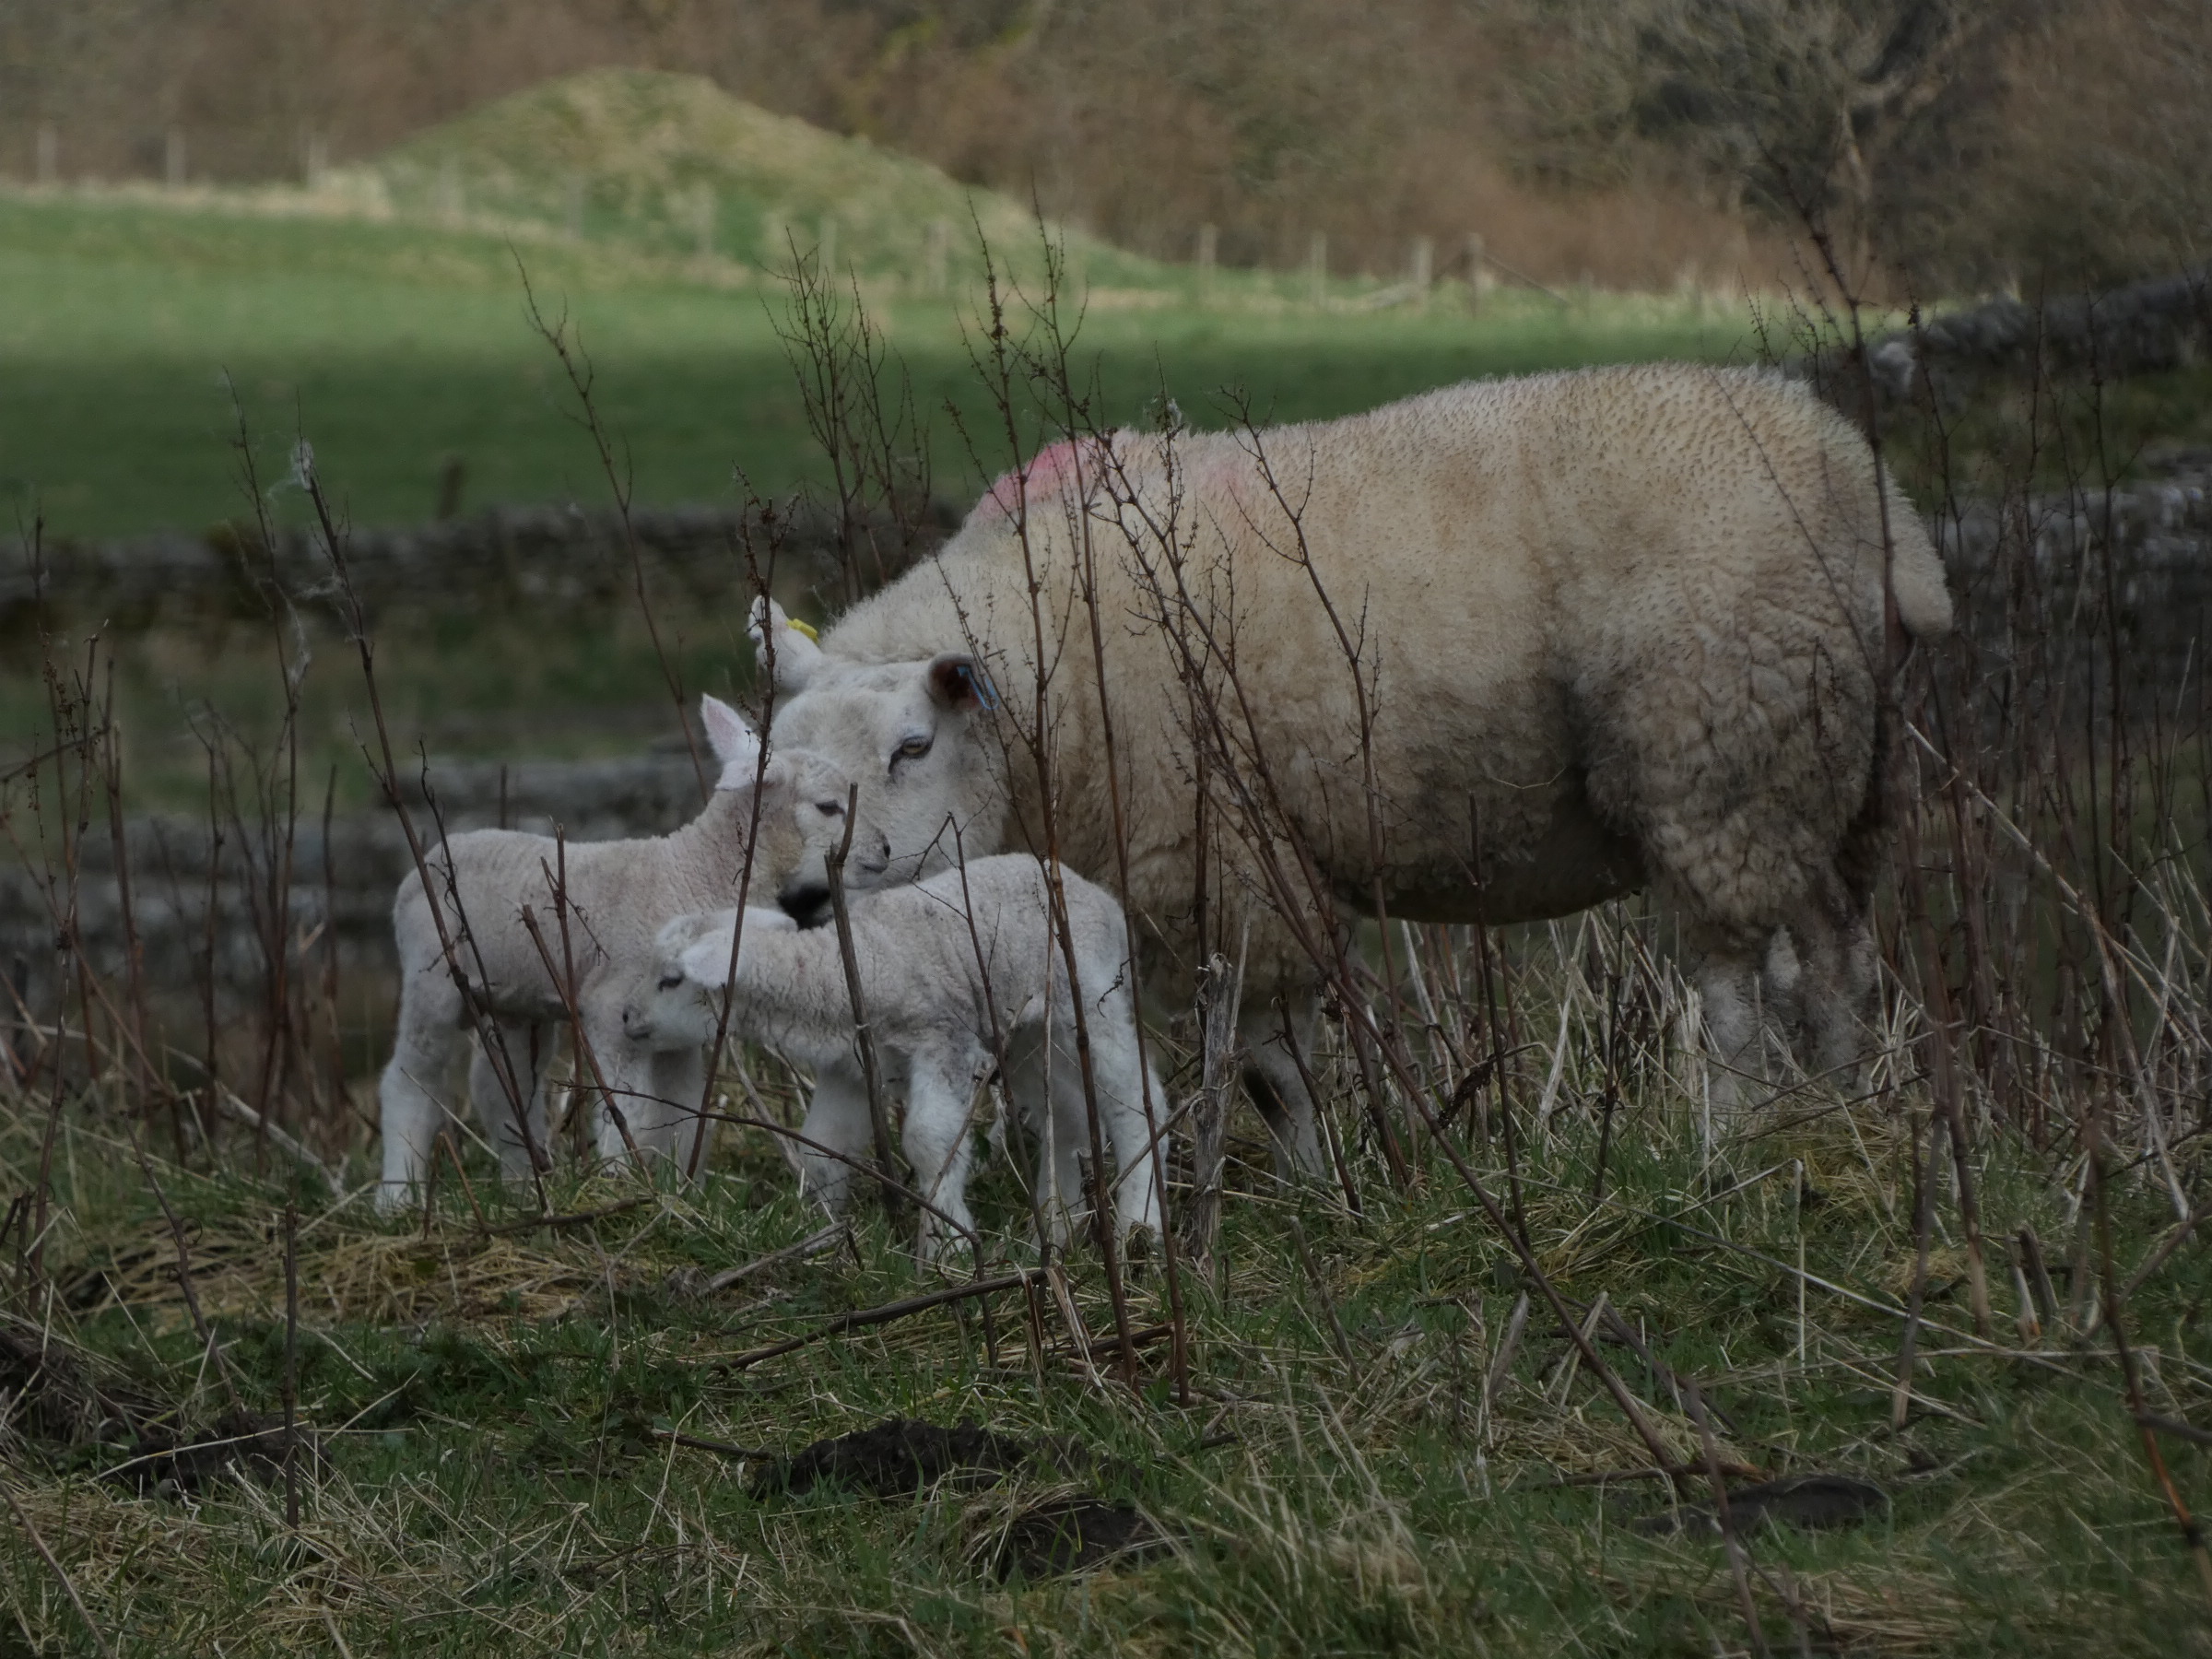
x=1923 y=602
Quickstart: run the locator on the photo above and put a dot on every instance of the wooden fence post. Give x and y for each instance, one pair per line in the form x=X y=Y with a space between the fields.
x=1475 y=270
x=47 y=155
x=317 y=158
x=172 y=159
x=1421 y=270
x=448 y=202
x=1317 y=268
x=1208 y=244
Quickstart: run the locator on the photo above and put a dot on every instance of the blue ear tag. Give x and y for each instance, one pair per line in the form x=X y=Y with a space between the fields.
x=980 y=683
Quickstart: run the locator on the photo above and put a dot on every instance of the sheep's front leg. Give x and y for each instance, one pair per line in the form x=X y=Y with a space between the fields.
x=658 y=1094
x=674 y=1124
x=1279 y=1074
x=939 y=1143
x=523 y=1054
x=836 y=1135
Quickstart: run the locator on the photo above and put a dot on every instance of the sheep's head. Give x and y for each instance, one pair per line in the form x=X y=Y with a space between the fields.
x=907 y=733
x=676 y=1002
x=803 y=803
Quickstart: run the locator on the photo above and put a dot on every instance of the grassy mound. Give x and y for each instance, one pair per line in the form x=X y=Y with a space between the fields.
x=671 y=163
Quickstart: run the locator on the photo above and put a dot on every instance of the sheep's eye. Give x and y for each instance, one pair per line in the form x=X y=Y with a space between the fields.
x=913 y=749
x=669 y=982
x=831 y=809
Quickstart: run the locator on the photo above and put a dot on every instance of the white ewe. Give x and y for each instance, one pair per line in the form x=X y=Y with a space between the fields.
x=615 y=895
x=1616 y=629
x=949 y=969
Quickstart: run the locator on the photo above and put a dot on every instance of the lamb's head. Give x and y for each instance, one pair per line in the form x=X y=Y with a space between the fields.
x=801 y=817
x=907 y=733
x=677 y=1001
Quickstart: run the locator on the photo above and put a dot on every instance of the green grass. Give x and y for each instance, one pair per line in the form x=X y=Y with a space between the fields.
x=495 y=1476
x=125 y=321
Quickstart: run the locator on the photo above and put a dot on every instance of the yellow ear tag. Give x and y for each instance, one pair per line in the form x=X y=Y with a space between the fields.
x=802 y=627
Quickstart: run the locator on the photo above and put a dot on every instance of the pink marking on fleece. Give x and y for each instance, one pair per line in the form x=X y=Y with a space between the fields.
x=1052 y=467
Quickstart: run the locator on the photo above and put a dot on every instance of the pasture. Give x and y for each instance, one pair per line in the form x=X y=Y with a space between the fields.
x=1396 y=1411
x=126 y=324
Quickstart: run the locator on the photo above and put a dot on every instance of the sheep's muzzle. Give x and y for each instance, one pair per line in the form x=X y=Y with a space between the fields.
x=807 y=905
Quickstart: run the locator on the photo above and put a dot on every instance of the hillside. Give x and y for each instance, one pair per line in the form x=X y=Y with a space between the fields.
x=672 y=164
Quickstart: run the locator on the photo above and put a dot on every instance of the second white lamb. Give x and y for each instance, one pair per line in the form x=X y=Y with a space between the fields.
x=958 y=973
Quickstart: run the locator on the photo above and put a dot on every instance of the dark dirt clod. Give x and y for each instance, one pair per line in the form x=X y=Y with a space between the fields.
x=900 y=1456
x=243 y=1445
x=1815 y=1502
x=1072 y=1535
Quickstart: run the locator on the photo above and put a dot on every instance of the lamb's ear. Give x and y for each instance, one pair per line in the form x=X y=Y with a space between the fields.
x=707 y=962
x=958 y=682
x=735 y=743
x=788 y=645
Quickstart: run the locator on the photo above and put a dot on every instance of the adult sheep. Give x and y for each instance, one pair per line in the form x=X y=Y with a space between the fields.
x=1613 y=629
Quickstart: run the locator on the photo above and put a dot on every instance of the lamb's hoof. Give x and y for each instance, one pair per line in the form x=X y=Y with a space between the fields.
x=396 y=1196
x=1140 y=1248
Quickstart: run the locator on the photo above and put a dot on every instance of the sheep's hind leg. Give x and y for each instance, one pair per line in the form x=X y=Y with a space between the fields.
x=1729 y=986
x=525 y=1055
x=1838 y=978
x=1122 y=1077
x=422 y=1061
x=1037 y=1091
x=1277 y=1080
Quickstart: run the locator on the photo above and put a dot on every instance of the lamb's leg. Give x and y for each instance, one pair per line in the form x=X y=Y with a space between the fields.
x=940 y=1142
x=1051 y=1115
x=1280 y=1093
x=657 y=1092
x=528 y=1053
x=835 y=1135
x=674 y=1125
x=422 y=1061
x=1122 y=1077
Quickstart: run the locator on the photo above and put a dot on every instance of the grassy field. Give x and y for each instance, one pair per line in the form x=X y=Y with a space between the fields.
x=124 y=323
x=1365 y=1460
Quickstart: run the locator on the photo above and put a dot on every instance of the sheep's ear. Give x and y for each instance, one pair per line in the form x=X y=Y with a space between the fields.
x=706 y=961
x=735 y=743
x=957 y=681
x=784 y=648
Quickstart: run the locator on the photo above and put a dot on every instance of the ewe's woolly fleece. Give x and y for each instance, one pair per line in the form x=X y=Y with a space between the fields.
x=1618 y=626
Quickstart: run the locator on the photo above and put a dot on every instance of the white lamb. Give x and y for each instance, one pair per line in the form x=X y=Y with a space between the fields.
x=616 y=896
x=950 y=969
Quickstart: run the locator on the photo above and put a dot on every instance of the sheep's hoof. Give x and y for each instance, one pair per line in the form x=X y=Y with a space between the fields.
x=1139 y=1246
x=393 y=1196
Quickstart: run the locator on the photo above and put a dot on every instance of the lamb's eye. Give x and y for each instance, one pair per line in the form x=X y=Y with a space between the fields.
x=831 y=809
x=913 y=749
x=669 y=982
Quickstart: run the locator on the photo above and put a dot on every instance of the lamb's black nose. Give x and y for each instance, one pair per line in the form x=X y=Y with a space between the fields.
x=808 y=906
